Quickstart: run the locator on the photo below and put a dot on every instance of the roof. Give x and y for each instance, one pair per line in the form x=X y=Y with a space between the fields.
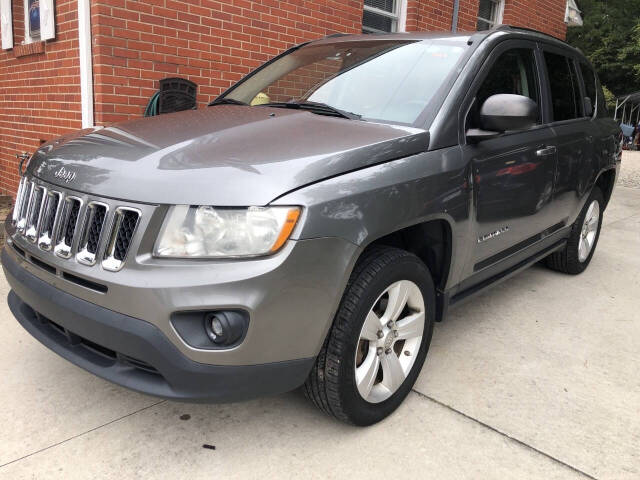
x=475 y=37
x=338 y=38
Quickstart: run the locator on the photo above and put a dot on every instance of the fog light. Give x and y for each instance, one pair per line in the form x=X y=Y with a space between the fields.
x=216 y=326
x=224 y=328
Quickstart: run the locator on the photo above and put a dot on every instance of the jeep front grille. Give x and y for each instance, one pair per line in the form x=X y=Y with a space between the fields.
x=62 y=223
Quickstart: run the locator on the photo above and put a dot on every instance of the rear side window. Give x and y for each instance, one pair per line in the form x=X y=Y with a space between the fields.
x=589 y=83
x=565 y=92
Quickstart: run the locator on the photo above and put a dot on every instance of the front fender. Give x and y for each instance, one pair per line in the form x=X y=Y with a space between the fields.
x=364 y=205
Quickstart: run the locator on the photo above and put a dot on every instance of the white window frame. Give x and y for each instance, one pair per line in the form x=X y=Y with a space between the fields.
x=47 y=22
x=6 y=24
x=27 y=35
x=398 y=16
x=498 y=14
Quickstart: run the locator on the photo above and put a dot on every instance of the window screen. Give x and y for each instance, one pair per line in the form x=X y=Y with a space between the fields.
x=380 y=16
x=387 y=5
x=489 y=14
x=565 y=93
x=589 y=83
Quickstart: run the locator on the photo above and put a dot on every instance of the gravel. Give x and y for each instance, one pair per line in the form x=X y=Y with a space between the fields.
x=630 y=170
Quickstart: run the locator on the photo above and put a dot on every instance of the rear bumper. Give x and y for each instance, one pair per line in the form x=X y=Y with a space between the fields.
x=132 y=352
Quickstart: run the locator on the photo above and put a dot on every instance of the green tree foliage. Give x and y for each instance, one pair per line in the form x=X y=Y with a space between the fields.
x=610 y=38
x=609 y=98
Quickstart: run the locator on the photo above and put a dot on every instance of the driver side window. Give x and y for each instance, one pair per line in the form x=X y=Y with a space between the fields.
x=513 y=72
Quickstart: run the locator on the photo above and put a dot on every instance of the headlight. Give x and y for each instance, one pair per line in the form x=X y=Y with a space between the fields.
x=225 y=232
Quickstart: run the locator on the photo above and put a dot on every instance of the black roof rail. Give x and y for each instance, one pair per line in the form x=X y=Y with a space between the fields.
x=476 y=36
x=501 y=28
x=526 y=29
x=334 y=35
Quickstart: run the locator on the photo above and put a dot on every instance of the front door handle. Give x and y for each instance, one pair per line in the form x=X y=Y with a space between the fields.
x=550 y=150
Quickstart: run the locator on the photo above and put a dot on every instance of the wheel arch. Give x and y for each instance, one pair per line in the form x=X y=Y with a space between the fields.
x=606 y=180
x=432 y=242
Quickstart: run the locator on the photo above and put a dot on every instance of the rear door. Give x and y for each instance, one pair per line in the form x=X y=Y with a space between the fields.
x=574 y=135
x=513 y=174
x=602 y=138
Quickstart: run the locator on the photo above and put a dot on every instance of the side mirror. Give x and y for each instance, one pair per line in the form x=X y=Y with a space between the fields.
x=503 y=112
x=588 y=107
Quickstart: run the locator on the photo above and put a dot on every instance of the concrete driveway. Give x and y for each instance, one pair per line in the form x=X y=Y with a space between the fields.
x=536 y=378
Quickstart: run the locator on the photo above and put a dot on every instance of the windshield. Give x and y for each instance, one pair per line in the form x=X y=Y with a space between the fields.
x=390 y=81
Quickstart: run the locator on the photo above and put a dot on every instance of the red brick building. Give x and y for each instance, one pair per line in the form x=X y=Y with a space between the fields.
x=70 y=64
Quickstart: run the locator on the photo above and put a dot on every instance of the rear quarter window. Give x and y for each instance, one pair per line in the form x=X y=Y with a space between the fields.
x=589 y=79
x=564 y=87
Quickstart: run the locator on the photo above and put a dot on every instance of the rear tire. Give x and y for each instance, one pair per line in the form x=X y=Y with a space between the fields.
x=386 y=283
x=582 y=242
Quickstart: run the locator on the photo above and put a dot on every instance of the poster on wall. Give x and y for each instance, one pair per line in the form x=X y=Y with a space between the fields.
x=34 y=18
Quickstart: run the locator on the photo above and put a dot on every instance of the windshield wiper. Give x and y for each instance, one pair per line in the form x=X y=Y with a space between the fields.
x=227 y=101
x=315 y=107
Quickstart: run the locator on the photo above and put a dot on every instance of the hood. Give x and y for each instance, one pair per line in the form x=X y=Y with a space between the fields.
x=225 y=155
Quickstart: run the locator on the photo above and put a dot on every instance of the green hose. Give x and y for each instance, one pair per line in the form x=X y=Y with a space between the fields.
x=152 y=106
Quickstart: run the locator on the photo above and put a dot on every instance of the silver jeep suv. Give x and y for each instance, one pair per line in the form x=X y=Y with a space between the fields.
x=310 y=225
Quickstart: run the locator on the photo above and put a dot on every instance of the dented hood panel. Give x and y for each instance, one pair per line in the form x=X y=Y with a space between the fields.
x=224 y=155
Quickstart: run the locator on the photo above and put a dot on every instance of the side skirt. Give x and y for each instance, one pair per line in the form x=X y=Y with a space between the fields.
x=445 y=300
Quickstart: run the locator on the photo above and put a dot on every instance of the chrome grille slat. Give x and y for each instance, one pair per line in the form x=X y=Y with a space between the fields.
x=34 y=214
x=50 y=212
x=19 y=197
x=92 y=232
x=125 y=222
x=24 y=208
x=66 y=228
x=74 y=216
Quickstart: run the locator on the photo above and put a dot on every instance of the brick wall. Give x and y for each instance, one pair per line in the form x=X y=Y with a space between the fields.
x=39 y=94
x=468 y=15
x=544 y=15
x=429 y=15
x=212 y=43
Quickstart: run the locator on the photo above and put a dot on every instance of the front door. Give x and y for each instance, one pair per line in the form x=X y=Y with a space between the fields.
x=513 y=174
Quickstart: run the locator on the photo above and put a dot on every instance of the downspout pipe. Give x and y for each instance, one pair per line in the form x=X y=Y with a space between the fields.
x=454 y=18
x=86 y=62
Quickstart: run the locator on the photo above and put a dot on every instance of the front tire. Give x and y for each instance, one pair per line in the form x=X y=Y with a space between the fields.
x=379 y=339
x=582 y=242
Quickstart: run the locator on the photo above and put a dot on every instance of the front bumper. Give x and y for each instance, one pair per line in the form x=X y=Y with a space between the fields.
x=132 y=352
x=290 y=297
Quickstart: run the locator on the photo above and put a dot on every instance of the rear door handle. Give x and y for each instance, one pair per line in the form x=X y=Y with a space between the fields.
x=550 y=150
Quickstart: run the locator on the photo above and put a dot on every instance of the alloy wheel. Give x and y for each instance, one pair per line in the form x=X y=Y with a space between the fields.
x=589 y=231
x=389 y=341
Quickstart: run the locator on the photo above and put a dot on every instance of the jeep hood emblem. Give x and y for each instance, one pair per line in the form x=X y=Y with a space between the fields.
x=64 y=174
